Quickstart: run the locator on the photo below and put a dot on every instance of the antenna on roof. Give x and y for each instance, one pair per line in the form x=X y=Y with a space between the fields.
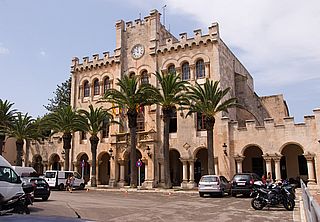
x=164 y=15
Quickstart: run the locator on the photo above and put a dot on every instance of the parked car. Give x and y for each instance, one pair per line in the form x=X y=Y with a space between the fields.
x=213 y=184
x=242 y=183
x=41 y=187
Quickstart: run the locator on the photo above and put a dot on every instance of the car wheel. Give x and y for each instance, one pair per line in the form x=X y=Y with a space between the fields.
x=61 y=186
x=201 y=194
x=45 y=198
x=81 y=187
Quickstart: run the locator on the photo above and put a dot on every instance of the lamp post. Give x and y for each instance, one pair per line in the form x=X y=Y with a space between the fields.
x=110 y=153
x=224 y=146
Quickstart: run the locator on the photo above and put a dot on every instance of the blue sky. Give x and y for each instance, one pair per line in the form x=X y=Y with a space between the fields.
x=277 y=41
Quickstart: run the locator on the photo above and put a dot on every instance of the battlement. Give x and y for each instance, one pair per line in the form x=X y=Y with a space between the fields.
x=269 y=123
x=185 y=41
x=95 y=62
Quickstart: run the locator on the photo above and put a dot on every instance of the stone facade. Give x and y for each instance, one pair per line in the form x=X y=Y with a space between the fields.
x=272 y=142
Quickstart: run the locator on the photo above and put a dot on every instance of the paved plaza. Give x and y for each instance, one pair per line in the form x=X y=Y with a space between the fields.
x=103 y=205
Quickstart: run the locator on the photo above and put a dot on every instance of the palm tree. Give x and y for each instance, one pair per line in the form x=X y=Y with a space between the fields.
x=22 y=128
x=129 y=97
x=6 y=118
x=209 y=100
x=92 y=122
x=172 y=94
x=66 y=121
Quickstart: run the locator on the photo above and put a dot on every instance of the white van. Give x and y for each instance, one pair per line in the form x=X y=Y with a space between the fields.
x=10 y=182
x=25 y=171
x=57 y=179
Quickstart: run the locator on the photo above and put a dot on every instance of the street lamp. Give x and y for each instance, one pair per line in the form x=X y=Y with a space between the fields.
x=110 y=153
x=148 y=150
x=224 y=146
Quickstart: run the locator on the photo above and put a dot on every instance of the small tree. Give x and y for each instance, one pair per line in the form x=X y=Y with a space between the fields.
x=6 y=118
x=62 y=96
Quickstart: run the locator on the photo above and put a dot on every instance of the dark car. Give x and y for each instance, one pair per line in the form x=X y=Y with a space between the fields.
x=41 y=187
x=242 y=183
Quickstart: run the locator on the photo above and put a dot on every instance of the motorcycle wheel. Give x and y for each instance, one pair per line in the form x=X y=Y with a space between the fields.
x=289 y=204
x=257 y=204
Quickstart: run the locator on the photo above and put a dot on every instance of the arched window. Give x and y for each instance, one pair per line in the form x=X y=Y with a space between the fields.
x=106 y=84
x=200 y=71
x=83 y=135
x=86 y=89
x=140 y=119
x=96 y=87
x=171 y=69
x=201 y=122
x=105 y=128
x=185 y=71
x=131 y=74
x=144 y=77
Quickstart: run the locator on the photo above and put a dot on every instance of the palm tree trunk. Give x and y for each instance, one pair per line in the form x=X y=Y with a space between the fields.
x=66 y=146
x=132 y=117
x=19 y=146
x=209 y=127
x=166 y=159
x=2 y=138
x=27 y=152
x=94 y=140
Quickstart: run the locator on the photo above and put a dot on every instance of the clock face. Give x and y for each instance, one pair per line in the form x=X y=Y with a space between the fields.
x=137 y=51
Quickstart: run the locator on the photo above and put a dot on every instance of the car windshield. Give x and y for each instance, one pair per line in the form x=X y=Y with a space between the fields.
x=209 y=179
x=50 y=174
x=241 y=177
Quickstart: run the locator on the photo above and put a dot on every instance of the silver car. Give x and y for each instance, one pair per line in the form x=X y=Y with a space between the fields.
x=214 y=184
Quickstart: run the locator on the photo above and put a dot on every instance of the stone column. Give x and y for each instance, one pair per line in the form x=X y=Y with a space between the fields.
x=216 y=166
x=61 y=164
x=277 y=167
x=191 y=183
x=184 y=173
x=268 y=159
x=122 y=168
x=239 y=160
x=113 y=170
x=311 y=176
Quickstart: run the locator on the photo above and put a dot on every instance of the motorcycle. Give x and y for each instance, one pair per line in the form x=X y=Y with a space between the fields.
x=271 y=196
x=18 y=203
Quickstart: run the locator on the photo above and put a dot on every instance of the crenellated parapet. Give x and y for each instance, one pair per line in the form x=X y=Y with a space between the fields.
x=94 y=62
x=184 y=42
x=269 y=123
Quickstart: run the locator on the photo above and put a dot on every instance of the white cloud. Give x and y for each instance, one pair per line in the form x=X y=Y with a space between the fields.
x=3 y=50
x=278 y=41
x=43 y=53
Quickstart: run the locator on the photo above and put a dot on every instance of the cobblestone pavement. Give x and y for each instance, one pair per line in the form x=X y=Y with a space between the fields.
x=154 y=206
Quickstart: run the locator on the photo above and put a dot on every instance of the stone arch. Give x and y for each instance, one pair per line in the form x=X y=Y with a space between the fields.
x=199 y=56
x=126 y=158
x=253 y=160
x=175 y=167
x=184 y=59
x=292 y=155
x=201 y=163
x=37 y=164
x=168 y=62
x=249 y=145
x=83 y=158
x=54 y=162
x=103 y=168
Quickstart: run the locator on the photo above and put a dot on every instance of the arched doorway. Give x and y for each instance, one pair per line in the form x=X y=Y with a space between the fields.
x=142 y=168
x=175 y=168
x=55 y=162
x=104 y=169
x=293 y=164
x=201 y=164
x=37 y=164
x=253 y=161
x=85 y=170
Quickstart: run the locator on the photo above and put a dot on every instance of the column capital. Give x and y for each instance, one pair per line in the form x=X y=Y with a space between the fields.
x=309 y=156
x=267 y=157
x=239 y=158
x=191 y=161
x=144 y=160
x=121 y=162
x=184 y=161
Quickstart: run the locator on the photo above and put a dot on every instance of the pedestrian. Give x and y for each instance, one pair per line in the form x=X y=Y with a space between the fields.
x=68 y=182
x=269 y=178
x=263 y=179
x=71 y=183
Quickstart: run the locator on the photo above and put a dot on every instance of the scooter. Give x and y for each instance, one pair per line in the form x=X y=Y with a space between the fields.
x=16 y=204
